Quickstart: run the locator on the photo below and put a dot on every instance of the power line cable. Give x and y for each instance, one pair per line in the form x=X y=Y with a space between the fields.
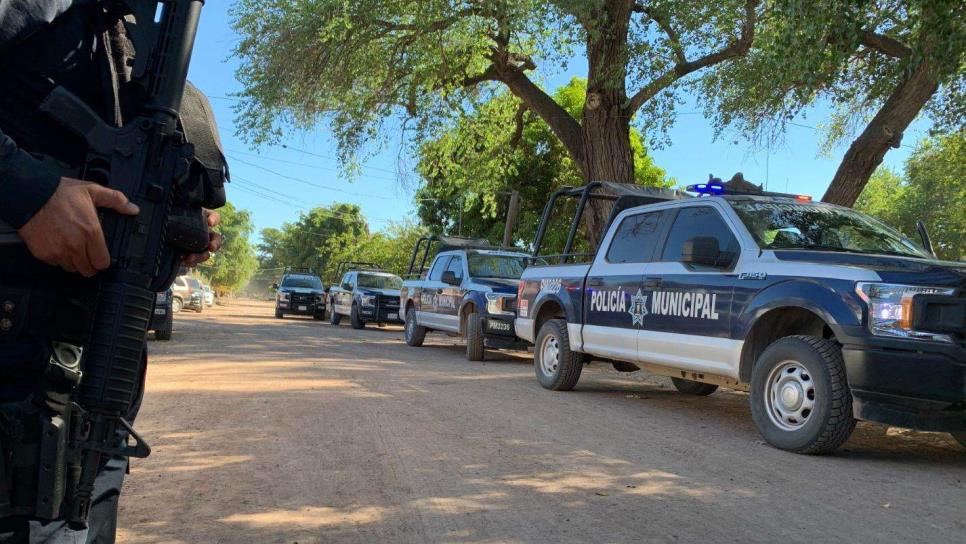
x=307 y=182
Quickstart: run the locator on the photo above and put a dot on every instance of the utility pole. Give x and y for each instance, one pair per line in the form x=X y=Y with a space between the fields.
x=513 y=210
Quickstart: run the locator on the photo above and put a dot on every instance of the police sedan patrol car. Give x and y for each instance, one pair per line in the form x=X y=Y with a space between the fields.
x=826 y=315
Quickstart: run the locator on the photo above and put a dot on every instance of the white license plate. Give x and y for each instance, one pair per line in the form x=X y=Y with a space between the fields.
x=159 y=311
x=303 y=308
x=393 y=316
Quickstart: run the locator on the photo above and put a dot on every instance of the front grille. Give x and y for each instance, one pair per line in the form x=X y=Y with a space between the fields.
x=387 y=301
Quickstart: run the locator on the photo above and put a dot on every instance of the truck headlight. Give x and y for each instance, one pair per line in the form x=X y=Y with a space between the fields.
x=499 y=304
x=367 y=300
x=283 y=296
x=890 y=309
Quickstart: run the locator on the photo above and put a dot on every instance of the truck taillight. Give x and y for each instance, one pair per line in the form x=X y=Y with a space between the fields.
x=520 y=287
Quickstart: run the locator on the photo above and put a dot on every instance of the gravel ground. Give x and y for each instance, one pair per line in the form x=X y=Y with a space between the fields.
x=293 y=430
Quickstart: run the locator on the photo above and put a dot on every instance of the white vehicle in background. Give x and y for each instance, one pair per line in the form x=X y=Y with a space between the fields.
x=209 y=295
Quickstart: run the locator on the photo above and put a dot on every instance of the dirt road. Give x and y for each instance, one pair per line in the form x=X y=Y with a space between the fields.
x=298 y=431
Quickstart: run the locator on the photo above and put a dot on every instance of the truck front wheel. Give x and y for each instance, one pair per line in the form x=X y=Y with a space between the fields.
x=413 y=332
x=800 y=399
x=474 y=337
x=556 y=365
x=355 y=318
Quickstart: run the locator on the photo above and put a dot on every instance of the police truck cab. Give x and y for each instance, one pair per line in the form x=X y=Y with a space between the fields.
x=824 y=314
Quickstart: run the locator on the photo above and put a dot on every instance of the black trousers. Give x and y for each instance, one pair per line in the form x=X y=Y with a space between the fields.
x=102 y=523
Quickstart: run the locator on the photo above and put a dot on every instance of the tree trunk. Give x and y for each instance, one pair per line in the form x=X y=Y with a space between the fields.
x=605 y=130
x=884 y=131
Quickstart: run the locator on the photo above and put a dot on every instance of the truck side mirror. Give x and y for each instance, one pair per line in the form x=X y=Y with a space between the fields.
x=702 y=250
x=449 y=278
x=347 y=286
x=275 y=286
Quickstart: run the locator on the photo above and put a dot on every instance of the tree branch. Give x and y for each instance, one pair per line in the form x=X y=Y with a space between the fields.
x=885 y=45
x=518 y=119
x=664 y=24
x=736 y=48
x=563 y=125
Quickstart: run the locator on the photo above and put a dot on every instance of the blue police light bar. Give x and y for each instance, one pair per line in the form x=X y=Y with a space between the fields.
x=715 y=187
x=710 y=188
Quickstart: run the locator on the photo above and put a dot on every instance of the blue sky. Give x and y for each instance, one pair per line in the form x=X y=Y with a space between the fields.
x=275 y=182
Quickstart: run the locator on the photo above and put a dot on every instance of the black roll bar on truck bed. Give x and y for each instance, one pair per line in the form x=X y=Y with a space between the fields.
x=623 y=196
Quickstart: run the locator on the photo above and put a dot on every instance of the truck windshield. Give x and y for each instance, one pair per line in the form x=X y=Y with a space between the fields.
x=302 y=282
x=496 y=266
x=380 y=281
x=792 y=225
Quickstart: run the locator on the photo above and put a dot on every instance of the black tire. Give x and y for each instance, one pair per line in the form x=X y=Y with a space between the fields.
x=960 y=437
x=279 y=314
x=200 y=308
x=414 y=333
x=811 y=370
x=562 y=373
x=693 y=388
x=334 y=318
x=357 y=322
x=163 y=334
x=475 y=351
x=176 y=305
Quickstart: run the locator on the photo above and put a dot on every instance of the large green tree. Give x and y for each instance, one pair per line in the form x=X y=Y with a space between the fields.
x=359 y=64
x=235 y=263
x=471 y=169
x=302 y=243
x=877 y=63
x=390 y=249
x=933 y=191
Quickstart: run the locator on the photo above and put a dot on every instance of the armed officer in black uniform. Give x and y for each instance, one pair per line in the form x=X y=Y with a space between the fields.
x=57 y=218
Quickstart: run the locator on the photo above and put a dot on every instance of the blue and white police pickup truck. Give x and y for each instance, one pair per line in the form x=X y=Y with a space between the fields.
x=470 y=290
x=824 y=314
x=365 y=294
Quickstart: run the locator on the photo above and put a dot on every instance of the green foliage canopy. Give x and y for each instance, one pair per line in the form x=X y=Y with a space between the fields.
x=425 y=63
x=235 y=263
x=933 y=191
x=471 y=168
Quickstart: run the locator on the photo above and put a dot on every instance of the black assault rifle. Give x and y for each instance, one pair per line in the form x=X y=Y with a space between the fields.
x=149 y=160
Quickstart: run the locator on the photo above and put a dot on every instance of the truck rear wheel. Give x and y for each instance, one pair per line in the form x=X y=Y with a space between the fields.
x=691 y=387
x=278 y=314
x=355 y=318
x=800 y=399
x=556 y=365
x=414 y=333
x=474 y=337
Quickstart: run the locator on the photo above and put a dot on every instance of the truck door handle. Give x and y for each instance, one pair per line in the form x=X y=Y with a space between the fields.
x=595 y=282
x=652 y=283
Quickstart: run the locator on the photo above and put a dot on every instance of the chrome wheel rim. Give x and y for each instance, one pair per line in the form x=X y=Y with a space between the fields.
x=790 y=395
x=550 y=355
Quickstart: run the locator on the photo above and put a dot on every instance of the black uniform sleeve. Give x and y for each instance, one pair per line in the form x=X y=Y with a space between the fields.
x=26 y=184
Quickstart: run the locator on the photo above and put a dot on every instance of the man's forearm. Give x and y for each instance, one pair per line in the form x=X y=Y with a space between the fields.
x=26 y=183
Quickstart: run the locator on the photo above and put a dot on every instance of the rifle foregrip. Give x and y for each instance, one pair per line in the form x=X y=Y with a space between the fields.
x=112 y=369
